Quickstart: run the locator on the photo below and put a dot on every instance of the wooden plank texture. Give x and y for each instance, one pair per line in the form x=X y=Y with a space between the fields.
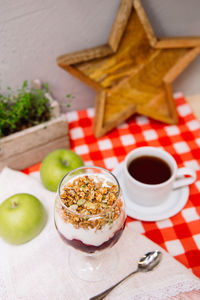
x=145 y=22
x=163 y=43
x=135 y=76
x=178 y=42
x=135 y=79
x=32 y=156
x=33 y=137
x=119 y=24
x=83 y=55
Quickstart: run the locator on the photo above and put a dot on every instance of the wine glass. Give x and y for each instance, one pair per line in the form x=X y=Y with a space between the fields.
x=90 y=217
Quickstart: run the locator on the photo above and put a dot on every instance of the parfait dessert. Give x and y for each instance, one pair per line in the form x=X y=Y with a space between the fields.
x=89 y=209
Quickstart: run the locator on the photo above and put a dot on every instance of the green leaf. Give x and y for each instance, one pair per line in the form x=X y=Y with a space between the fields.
x=25 y=84
x=24 y=108
x=46 y=86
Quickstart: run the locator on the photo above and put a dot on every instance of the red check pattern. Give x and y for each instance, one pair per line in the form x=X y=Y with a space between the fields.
x=179 y=235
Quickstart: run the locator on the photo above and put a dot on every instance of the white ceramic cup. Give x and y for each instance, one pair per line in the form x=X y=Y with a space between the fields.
x=155 y=194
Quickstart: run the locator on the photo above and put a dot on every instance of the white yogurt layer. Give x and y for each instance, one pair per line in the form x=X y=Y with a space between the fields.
x=89 y=236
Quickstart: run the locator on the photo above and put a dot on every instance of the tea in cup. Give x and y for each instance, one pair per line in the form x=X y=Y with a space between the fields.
x=151 y=174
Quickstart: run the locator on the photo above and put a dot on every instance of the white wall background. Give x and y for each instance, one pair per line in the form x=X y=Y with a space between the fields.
x=33 y=33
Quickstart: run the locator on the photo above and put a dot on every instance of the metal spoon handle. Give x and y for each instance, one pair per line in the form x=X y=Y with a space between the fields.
x=106 y=292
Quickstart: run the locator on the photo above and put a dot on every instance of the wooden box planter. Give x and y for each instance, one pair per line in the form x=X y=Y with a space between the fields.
x=29 y=146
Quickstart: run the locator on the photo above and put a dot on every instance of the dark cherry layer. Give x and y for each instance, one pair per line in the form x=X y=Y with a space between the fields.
x=90 y=248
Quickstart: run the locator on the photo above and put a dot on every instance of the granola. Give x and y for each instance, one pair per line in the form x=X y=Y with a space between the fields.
x=90 y=201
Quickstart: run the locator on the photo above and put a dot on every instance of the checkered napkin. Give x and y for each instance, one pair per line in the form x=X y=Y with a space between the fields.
x=179 y=235
x=39 y=269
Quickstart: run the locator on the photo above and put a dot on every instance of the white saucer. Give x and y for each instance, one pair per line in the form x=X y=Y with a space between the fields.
x=169 y=208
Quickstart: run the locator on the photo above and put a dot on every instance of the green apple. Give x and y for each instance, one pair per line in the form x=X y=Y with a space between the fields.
x=55 y=165
x=22 y=217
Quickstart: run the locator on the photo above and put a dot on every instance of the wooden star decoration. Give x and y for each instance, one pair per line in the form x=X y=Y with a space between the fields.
x=128 y=74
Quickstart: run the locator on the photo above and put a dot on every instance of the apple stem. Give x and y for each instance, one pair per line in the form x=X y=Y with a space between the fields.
x=14 y=204
x=65 y=163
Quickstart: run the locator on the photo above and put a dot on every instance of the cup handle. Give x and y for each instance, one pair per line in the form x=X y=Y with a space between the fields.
x=183 y=181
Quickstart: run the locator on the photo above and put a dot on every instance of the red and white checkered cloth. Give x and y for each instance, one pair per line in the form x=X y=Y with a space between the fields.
x=179 y=235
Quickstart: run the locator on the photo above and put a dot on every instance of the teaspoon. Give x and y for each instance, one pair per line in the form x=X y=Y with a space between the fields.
x=145 y=264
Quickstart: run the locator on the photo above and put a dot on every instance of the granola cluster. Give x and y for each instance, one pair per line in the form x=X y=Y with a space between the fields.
x=88 y=196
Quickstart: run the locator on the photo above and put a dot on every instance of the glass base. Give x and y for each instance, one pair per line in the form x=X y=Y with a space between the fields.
x=93 y=267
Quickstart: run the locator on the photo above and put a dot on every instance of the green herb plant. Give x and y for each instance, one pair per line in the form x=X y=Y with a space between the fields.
x=70 y=99
x=23 y=109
